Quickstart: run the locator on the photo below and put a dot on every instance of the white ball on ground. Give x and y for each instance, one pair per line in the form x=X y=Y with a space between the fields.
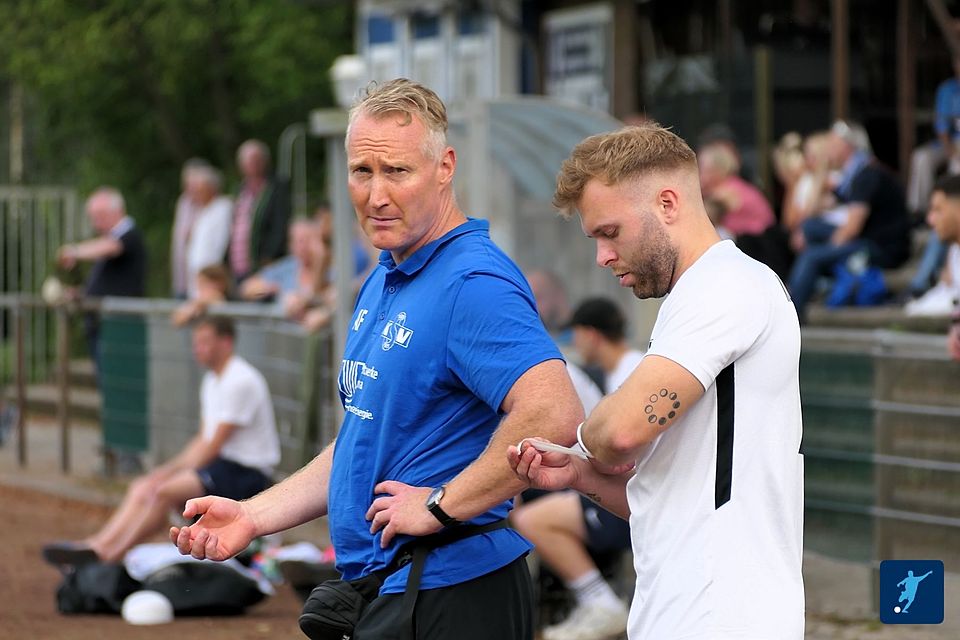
x=147 y=607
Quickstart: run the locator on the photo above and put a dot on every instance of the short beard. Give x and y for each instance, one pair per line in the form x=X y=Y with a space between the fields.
x=654 y=268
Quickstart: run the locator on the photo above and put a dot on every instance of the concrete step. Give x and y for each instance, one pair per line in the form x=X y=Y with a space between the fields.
x=82 y=374
x=43 y=400
x=879 y=317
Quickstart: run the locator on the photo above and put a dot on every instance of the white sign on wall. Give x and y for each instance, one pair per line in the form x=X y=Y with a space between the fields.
x=580 y=55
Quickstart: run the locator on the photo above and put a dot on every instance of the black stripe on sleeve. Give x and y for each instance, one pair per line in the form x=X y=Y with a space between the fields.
x=725 y=400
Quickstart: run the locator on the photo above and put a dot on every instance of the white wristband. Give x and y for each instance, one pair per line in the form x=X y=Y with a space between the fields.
x=580 y=441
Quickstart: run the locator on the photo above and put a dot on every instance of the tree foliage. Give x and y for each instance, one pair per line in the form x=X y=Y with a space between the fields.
x=122 y=92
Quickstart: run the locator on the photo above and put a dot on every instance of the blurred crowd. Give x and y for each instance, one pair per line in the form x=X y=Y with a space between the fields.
x=843 y=222
x=239 y=247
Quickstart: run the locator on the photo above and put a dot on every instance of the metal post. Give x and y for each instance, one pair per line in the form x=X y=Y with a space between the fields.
x=63 y=382
x=21 y=339
x=343 y=223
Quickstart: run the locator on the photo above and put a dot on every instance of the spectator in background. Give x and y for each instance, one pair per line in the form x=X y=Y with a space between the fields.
x=212 y=286
x=772 y=247
x=210 y=234
x=301 y=274
x=232 y=454
x=365 y=255
x=943 y=152
x=876 y=217
x=261 y=213
x=812 y=193
x=928 y=159
x=567 y=528
x=552 y=304
x=118 y=255
x=944 y=218
x=183 y=219
x=745 y=210
x=600 y=338
x=550 y=294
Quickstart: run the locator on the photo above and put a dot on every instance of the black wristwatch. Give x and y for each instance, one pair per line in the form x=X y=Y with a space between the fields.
x=433 y=506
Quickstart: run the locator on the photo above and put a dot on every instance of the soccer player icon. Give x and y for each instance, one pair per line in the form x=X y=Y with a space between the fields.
x=909 y=585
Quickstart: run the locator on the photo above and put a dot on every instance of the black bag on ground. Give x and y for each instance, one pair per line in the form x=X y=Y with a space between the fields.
x=204 y=588
x=95 y=588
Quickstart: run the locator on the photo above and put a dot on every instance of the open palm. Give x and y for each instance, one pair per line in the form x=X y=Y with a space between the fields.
x=223 y=530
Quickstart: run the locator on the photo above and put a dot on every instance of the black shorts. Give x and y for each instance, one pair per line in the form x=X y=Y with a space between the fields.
x=233 y=480
x=496 y=605
x=605 y=531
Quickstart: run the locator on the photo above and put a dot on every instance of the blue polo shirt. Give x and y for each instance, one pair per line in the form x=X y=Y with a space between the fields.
x=434 y=346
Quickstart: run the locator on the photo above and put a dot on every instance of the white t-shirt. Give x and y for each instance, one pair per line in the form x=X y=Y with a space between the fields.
x=208 y=240
x=240 y=396
x=718 y=542
x=587 y=390
x=628 y=362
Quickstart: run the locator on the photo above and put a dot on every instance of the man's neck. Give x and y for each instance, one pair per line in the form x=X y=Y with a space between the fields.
x=610 y=356
x=254 y=183
x=219 y=367
x=450 y=219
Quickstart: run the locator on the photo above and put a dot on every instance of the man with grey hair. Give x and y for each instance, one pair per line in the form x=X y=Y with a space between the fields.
x=261 y=213
x=446 y=363
x=185 y=214
x=117 y=253
x=210 y=234
x=707 y=428
x=876 y=222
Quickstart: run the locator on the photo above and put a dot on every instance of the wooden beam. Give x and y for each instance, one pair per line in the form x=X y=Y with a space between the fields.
x=945 y=22
x=840 y=49
x=906 y=84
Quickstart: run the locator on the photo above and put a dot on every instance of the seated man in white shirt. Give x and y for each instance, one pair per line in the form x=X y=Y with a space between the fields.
x=232 y=455
x=567 y=527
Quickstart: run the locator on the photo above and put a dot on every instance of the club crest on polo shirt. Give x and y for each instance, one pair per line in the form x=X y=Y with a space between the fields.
x=396 y=332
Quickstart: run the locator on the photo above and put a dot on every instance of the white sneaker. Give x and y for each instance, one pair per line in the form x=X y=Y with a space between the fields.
x=590 y=623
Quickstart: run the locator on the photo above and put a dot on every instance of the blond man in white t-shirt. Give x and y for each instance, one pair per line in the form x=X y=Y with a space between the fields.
x=232 y=455
x=710 y=419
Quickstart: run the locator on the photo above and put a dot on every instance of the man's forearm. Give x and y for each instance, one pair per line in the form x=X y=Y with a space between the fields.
x=490 y=480
x=610 y=492
x=298 y=499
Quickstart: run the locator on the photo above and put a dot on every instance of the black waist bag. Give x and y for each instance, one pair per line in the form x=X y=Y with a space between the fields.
x=334 y=607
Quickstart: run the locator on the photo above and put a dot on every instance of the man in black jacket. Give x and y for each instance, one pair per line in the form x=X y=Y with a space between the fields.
x=118 y=255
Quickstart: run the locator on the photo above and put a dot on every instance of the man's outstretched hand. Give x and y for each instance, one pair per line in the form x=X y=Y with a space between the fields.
x=223 y=530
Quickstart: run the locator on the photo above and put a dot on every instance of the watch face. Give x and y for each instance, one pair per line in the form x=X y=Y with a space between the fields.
x=435 y=496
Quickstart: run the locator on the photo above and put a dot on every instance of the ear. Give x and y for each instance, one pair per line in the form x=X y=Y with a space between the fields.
x=448 y=165
x=668 y=204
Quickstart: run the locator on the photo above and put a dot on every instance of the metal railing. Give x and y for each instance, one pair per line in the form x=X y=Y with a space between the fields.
x=150 y=382
x=882 y=446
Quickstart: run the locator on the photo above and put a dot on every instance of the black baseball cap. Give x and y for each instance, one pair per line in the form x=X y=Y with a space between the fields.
x=601 y=314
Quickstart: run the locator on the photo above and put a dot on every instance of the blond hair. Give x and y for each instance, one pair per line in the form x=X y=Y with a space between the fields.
x=617 y=156
x=409 y=99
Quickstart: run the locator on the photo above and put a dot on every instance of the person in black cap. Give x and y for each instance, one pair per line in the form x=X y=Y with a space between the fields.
x=569 y=530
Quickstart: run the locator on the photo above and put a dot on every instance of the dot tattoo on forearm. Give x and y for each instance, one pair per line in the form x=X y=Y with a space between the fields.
x=670 y=407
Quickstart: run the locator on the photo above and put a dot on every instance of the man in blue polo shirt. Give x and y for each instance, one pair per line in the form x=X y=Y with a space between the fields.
x=446 y=364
